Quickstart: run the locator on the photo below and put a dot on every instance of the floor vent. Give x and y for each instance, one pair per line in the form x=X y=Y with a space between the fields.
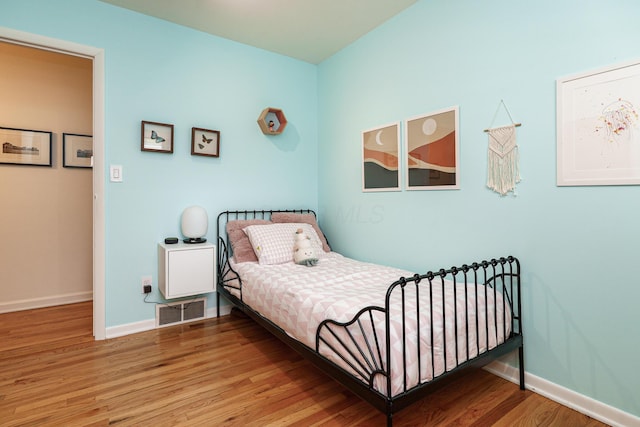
x=180 y=312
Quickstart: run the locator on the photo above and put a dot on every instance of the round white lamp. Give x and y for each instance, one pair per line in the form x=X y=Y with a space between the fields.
x=194 y=224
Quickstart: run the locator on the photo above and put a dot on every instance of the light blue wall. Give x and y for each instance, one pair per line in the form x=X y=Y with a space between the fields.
x=158 y=71
x=578 y=246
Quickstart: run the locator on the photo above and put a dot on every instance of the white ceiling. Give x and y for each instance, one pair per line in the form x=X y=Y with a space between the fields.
x=310 y=30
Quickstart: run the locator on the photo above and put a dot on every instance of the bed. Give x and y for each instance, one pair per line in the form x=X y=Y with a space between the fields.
x=389 y=335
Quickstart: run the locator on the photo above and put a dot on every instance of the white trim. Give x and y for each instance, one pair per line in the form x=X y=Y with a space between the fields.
x=149 y=324
x=130 y=328
x=62 y=46
x=99 y=208
x=47 y=43
x=28 y=304
x=569 y=398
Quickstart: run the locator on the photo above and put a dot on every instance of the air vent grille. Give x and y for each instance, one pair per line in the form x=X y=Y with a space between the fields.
x=180 y=312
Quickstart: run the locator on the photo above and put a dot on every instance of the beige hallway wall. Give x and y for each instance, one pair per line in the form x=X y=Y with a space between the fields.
x=45 y=212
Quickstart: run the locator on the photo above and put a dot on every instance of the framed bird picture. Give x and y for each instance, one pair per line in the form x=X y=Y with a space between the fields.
x=157 y=137
x=205 y=142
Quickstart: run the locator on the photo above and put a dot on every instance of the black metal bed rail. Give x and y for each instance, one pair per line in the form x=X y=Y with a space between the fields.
x=356 y=343
x=496 y=281
x=476 y=292
x=226 y=274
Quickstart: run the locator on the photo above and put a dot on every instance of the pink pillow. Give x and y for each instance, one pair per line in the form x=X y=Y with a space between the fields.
x=307 y=218
x=273 y=243
x=240 y=244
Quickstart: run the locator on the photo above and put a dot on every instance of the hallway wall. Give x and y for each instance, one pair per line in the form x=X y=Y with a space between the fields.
x=46 y=215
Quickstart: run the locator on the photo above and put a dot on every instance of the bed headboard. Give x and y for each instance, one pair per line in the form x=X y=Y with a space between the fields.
x=227 y=216
x=224 y=248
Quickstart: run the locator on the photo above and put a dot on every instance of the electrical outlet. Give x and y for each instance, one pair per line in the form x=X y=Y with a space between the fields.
x=147 y=284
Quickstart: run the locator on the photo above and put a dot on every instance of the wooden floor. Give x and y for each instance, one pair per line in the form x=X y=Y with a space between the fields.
x=218 y=372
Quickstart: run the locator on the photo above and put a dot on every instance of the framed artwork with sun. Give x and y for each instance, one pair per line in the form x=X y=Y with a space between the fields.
x=205 y=142
x=380 y=158
x=431 y=151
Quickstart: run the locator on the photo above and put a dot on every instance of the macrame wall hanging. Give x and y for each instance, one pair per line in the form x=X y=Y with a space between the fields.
x=503 y=170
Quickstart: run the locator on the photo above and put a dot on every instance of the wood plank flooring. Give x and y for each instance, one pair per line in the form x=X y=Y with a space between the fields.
x=217 y=372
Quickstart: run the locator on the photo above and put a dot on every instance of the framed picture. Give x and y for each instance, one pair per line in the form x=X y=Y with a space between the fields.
x=598 y=138
x=77 y=150
x=25 y=147
x=205 y=142
x=432 y=151
x=380 y=153
x=157 y=137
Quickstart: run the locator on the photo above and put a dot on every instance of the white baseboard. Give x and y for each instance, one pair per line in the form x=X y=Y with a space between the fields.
x=149 y=324
x=28 y=304
x=130 y=328
x=569 y=398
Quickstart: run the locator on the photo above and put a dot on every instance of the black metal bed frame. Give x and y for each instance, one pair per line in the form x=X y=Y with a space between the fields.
x=498 y=276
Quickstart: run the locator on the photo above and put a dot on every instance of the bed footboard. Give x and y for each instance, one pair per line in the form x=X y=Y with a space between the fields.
x=432 y=325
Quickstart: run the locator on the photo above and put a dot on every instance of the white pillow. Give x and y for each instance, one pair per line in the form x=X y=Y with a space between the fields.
x=273 y=243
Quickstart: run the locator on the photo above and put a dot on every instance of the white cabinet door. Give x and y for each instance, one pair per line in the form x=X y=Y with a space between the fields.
x=186 y=270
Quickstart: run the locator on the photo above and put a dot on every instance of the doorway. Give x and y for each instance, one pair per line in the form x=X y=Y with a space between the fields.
x=98 y=170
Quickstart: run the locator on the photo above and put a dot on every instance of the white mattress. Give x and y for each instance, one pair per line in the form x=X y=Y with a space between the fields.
x=298 y=298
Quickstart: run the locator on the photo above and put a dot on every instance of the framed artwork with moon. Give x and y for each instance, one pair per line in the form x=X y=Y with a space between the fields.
x=380 y=158
x=432 y=152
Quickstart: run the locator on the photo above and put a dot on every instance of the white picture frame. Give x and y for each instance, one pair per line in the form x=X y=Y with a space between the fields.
x=432 y=151
x=598 y=131
x=381 y=158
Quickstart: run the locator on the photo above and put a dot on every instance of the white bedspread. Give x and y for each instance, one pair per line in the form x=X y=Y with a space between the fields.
x=298 y=298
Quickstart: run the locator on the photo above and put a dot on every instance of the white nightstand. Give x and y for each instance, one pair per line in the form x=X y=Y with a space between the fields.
x=186 y=269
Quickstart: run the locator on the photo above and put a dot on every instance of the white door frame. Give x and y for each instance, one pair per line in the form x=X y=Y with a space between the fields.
x=70 y=48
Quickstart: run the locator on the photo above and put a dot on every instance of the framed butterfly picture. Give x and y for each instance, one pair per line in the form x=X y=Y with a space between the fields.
x=205 y=142
x=157 y=137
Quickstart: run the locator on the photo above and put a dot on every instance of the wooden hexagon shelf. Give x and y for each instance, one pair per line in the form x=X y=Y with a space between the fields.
x=272 y=121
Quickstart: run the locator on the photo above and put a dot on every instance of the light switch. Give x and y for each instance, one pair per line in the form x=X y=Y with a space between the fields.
x=115 y=172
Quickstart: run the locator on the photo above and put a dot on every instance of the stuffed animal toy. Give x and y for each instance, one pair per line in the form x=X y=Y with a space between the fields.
x=303 y=252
